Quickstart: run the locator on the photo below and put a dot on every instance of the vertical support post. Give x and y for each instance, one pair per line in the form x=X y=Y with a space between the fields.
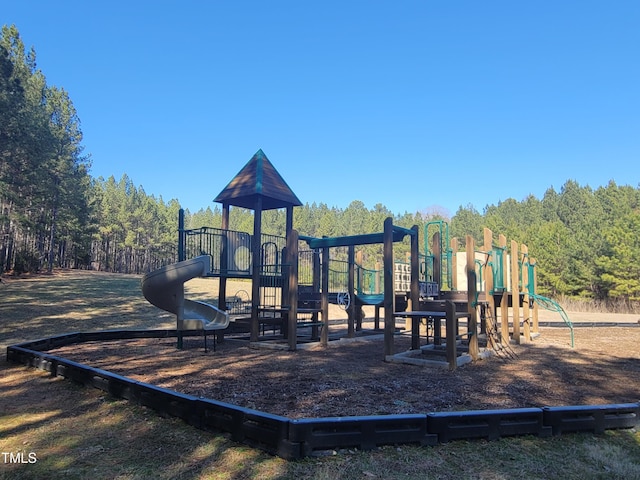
x=488 y=288
x=289 y=221
x=436 y=248
x=181 y=250
x=358 y=288
x=504 y=300
x=515 y=291
x=292 y=249
x=376 y=319
x=389 y=307
x=285 y=262
x=450 y=328
x=316 y=288
x=454 y=263
x=256 y=267
x=224 y=266
x=359 y=274
x=534 y=289
x=415 y=287
x=350 y=288
x=224 y=259
x=324 y=298
x=526 y=314
x=472 y=290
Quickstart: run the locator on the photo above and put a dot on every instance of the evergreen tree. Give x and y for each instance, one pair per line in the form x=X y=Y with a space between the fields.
x=620 y=270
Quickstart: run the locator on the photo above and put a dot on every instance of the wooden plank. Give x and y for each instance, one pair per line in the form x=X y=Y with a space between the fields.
x=430 y=313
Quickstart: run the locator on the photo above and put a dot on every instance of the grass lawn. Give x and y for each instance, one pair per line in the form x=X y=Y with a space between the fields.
x=51 y=428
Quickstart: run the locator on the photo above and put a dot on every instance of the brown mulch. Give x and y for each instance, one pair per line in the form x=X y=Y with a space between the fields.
x=352 y=379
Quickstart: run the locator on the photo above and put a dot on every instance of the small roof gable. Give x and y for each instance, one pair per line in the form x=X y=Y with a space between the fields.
x=258 y=178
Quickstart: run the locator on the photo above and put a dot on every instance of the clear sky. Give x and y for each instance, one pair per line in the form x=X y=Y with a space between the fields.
x=412 y=104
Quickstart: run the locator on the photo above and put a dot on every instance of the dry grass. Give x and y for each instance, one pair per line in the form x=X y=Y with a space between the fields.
x=79 y=433
x=601 y=306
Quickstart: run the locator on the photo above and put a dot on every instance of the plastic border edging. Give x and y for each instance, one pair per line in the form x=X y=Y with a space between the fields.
x=296 y=438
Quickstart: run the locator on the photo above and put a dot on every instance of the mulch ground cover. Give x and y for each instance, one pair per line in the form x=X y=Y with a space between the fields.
x=351 y=378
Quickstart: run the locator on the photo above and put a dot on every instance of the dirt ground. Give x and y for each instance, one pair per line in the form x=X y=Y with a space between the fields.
x=351 y=378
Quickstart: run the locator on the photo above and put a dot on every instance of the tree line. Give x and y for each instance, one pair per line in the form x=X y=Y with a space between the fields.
x=53 y=213
x=586 y=241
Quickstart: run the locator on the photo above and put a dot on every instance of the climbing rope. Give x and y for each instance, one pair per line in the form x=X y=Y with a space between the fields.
x=499 y=345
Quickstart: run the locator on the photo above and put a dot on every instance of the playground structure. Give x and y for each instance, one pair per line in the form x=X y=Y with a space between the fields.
x=294 y=279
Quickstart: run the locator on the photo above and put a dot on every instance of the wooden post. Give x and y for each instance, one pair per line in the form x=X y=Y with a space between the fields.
x=436 y=248
x=389 y=307
x=415 y=287
x=224 y=266
x=324 y=298
x=255 y=274
x=451 y=348
x=515 y=291
x=472 y=289
x=359 y=286
x=504 y=300
x=224 y=259
x=284 y=291
x=535 y=290
x=526 y=314
x=289 y=221
x=350 y=288
x=376 y=324
x=488 y=289
x=316 y=288
x=292 y=260
x=454 y=263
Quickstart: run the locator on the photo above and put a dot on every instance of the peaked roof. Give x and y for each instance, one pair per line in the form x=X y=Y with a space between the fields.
x=258 y=178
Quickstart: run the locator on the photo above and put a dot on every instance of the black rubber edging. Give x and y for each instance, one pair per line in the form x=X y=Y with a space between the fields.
x=297 y=438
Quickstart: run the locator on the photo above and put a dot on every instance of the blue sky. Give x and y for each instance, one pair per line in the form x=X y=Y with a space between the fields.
x=418 y=105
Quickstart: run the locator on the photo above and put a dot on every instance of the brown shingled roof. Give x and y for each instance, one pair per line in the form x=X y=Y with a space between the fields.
x=258 y=178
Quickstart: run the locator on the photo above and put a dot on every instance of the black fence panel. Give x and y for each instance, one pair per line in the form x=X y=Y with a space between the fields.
x=592 y=418
x=489 y=424
x=363 y=432
x=264 y=430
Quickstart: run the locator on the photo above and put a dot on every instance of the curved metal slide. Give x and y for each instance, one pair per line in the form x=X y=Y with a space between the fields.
x=164 y=288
